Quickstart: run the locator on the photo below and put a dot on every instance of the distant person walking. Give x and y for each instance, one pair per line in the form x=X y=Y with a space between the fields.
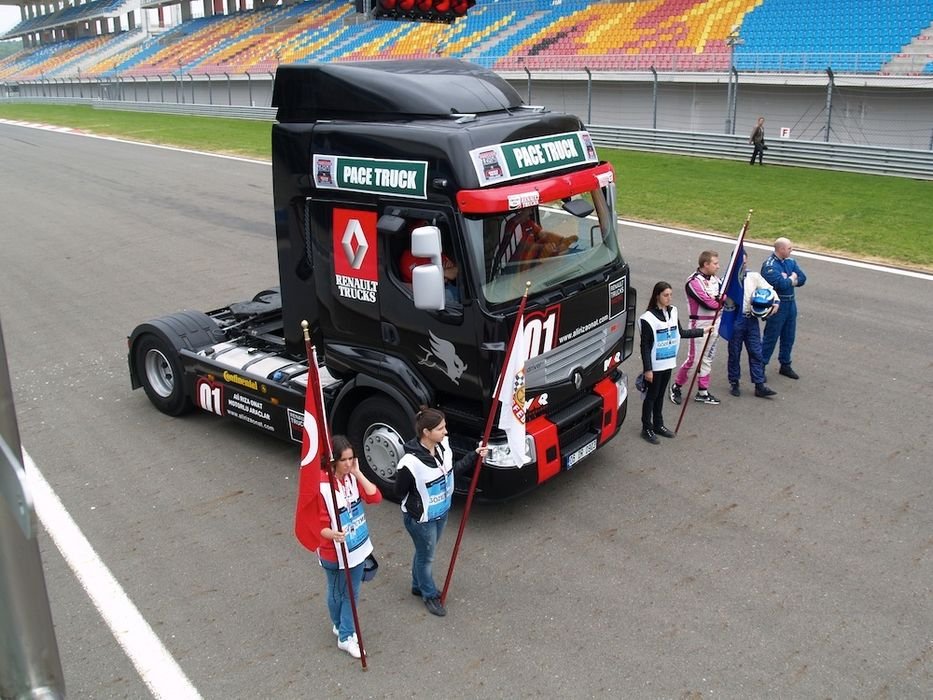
x=702 y=289
x=757 y=139
x=660 y=338
x=784 y=274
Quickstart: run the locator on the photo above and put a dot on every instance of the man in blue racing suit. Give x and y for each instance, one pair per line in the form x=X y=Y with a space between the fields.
x=784 y=274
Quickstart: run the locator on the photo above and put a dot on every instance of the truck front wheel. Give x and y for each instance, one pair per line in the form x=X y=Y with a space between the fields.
x=160 y=374
x=377 y=428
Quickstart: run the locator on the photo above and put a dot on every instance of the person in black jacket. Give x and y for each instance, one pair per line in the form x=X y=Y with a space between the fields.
x=425 y=487
x=757 y=139
x=660 y=339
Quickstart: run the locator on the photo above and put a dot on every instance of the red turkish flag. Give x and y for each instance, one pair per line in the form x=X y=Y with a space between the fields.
x=313 y=458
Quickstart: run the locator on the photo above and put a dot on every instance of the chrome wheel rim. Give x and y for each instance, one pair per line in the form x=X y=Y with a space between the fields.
x=383 y=448
x=159 y=373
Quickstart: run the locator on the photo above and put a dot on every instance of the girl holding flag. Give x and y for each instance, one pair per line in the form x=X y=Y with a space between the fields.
x=352 y=489
x=425 y=487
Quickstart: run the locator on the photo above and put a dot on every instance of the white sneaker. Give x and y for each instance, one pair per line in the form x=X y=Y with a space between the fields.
x=335 y=631
x=350 y=645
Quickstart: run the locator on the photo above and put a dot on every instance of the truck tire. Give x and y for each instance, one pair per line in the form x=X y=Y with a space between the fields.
x=378 y=427
x=161 y=376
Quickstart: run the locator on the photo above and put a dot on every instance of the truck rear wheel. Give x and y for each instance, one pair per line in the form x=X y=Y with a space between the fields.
x=160 y=374
x=378 y=428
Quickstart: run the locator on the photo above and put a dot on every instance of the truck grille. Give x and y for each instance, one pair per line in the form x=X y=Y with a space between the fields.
x=574 y=418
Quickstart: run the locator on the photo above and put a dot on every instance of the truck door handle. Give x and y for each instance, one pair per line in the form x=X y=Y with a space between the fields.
x=389 y=334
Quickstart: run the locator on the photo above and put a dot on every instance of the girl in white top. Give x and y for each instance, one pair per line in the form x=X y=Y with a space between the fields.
x=660 y=339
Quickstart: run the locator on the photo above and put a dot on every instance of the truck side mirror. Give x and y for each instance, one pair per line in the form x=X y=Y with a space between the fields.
x=426 y=243
x=427 y=285
x=427 y=281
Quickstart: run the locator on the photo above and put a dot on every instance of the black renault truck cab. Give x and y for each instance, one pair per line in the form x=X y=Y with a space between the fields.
x=415 y=203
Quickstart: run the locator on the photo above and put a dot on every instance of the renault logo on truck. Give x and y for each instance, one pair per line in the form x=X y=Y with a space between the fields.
x=353 y=237
x=356 y=270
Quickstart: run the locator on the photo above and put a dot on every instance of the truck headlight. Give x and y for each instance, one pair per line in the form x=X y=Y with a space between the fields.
x=499 y=454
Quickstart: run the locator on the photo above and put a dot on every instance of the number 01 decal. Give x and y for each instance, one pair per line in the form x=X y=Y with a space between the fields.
x=209 y=396
x=541 y=331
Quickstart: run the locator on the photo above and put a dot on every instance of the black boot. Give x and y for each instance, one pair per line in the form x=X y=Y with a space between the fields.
x=650 y=436
x=764 y=391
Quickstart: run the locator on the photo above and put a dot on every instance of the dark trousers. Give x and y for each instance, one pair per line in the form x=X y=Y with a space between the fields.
x=782 y=326
x=651 y=417
x=746 y=332
x=759 y=151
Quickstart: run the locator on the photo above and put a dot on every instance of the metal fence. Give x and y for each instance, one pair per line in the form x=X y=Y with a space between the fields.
x=850 y=157
x=887 y=111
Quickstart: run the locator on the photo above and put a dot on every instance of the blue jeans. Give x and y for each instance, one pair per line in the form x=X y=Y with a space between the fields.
x=425 y=536
x=338 y=599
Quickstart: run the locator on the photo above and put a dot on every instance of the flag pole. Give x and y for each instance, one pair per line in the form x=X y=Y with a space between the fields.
x=328 y=452
x=722 y=295
x=486 y=432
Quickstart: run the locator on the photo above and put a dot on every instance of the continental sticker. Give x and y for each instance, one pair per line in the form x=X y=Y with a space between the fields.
x=232 y=378
x=509 y=161
x=396 y=178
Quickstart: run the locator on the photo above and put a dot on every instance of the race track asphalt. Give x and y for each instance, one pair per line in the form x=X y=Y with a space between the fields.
x=775 y=549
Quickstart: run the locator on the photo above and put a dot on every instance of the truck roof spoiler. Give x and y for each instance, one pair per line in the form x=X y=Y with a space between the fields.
x=389 y=90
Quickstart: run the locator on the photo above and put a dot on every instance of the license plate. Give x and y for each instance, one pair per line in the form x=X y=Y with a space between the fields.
x=585 y=451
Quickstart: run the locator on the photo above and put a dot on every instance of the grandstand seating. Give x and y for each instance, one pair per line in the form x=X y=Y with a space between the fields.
x=848 y=35
x=665 y=34
x=283 y=40
x=59 y=59
x=68 y=15
x=682 y=35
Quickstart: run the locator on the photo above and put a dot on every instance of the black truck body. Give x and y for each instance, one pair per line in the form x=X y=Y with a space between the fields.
x=364 y=156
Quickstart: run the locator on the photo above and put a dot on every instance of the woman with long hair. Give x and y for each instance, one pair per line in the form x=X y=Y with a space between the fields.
x=352 y=489
x=660 y=339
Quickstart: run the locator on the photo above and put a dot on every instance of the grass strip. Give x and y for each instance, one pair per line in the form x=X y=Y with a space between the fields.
x=870 y=217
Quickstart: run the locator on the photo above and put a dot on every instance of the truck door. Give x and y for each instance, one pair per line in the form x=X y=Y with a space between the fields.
x=367 y=304
x=441 y=346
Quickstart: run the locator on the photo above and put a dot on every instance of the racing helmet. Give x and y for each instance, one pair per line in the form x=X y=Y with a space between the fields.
x=762 y=302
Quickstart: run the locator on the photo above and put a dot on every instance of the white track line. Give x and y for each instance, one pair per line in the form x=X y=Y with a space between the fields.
x=159 y=671
x=76 y=132
x=797 y=253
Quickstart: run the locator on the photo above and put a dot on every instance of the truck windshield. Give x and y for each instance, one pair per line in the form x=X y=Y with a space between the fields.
x=544 y=245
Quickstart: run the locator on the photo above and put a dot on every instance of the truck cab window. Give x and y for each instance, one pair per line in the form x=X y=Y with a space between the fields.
x=544 y=245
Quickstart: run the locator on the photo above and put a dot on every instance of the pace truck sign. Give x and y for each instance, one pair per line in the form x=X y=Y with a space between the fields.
x=508 y=161
x=395 y=178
